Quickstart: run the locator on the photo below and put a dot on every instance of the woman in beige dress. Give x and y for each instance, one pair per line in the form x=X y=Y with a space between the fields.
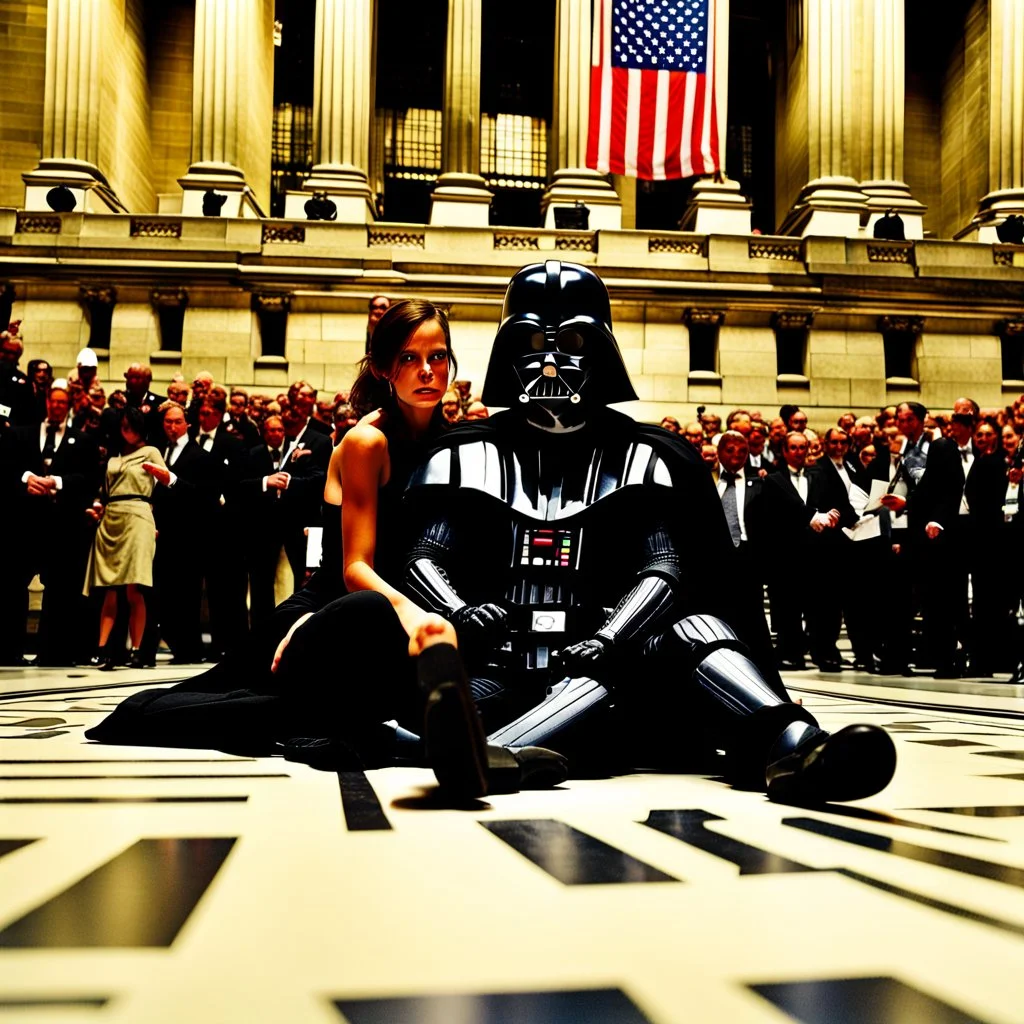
x=122 y=554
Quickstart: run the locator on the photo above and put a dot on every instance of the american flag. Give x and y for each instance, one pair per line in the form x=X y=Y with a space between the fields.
x=652 y=89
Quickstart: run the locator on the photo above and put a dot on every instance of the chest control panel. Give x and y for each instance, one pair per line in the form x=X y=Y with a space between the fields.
x=554 y=548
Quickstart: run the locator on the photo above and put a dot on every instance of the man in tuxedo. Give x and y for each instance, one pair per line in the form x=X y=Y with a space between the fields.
x=759 y=458
x=50 y=475
x=222 y=547
x=796 y=505
x=238 y=404
x=949 y=546
x=302 y=399
x=182 y=506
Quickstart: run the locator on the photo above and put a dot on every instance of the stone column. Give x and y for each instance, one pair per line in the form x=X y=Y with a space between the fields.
x=342 y=111
x=1006 y=121
x=74 y=104
x=884 y=27
x=461 y=197
x=232 y=107
x=831 y=203
x=569 y=181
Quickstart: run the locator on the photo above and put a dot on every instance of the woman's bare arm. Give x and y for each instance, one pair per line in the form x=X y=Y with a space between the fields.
x=364 y=465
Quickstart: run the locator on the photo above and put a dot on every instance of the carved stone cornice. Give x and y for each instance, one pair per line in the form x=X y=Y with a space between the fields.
x=704 y=317
x=792 y=320
x=98 y=295
x=912 y=325
x=168 y=298
x=271 y=302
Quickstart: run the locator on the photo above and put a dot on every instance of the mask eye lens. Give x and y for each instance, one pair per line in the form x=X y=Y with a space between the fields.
x=570 y=342
x=537 y=341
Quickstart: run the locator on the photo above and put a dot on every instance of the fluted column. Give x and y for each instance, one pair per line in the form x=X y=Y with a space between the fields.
x=831 y=202
x=460 y=197
x=1006 y=119
x=74 y=101
x=884 y=31
x=232 y=107
x=569 y=181
x=342 y=110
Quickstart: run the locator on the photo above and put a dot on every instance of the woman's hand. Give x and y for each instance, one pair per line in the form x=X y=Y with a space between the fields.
x=431 y=629
x=281 y=647
x=95 y=513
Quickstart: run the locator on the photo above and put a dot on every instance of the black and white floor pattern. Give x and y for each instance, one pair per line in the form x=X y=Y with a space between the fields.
x=151 y=885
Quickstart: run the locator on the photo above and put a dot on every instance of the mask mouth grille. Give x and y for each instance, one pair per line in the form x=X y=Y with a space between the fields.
x=550 y=387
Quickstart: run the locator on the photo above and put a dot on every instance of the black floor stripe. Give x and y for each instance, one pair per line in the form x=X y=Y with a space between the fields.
x=136 y=760
x=594 y=1006
x=84 y=778
x=363 y=812
x=141 y=898
x=573 y=857
x=688 y=826
x=857 y=1000
x=123 y=799
x=991 y=811
x=1005 y=873
x=888 y=819
x=928 y=901
x=952 y=743
x=1013 y=755
x=84 y=1003
x=10 y=845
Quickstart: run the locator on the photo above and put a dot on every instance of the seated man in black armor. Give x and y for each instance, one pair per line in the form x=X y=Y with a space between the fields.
x=555 y=539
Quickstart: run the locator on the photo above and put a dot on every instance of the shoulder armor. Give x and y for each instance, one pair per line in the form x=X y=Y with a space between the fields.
x=545 y=486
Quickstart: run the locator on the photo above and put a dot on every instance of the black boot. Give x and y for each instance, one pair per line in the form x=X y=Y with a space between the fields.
x=1018 y=675
x=854 y=763
x=105 y=658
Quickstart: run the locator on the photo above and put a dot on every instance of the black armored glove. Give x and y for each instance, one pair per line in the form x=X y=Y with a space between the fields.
x=586 y=656
x=479 y=621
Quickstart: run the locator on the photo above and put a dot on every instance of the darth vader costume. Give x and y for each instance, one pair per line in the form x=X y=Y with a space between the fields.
x=581 y=556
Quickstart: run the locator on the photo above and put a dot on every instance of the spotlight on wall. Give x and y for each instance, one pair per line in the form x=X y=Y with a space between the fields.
x=890 y=227
x=212 y=203
x=572 y=218
x=61 y=199
x=320 y=207
x=1011 y=230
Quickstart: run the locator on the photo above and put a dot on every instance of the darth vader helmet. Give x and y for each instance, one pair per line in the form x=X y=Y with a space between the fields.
x=554 y=355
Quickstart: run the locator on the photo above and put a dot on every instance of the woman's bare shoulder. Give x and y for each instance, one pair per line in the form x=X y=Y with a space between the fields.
x=365 y=438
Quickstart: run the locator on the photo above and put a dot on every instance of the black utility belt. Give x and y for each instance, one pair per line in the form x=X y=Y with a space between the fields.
x=130 y=497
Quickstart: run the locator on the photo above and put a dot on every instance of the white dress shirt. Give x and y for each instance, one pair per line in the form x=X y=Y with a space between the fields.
x=844 y=474
x=798 y=478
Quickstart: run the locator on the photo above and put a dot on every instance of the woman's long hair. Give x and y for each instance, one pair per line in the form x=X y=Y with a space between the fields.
x=372 y=388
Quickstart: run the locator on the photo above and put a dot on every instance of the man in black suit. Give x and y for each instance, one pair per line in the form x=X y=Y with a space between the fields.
x=137 y=379
x=759 y=457
x=221 y=545
x=50 y=476
x=238 y=403
x=16 y=406
x=794 y=508
x=182 y=504
x=263 y=490
x=949 y=545
x=302 y=399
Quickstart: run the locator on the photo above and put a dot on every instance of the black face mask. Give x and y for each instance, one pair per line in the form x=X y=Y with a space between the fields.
x=552 y=378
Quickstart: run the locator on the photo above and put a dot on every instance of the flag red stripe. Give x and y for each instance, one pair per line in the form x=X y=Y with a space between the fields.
x=645 y=140
x=674 y=129
x=697 y=134
x=620 y=94
x=714 y=131
x=594 y=131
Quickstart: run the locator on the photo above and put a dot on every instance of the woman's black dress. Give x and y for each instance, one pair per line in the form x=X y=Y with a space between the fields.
x=345 y=671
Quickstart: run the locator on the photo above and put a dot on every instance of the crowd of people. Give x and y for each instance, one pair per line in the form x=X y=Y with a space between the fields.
x=904 y=525
x=129 y=505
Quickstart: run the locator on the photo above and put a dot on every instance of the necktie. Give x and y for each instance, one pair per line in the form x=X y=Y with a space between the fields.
x=50 y=444
x=204 y=442
x=275 y=456
x=167 y=455
x=964 y=452
x=729 y=507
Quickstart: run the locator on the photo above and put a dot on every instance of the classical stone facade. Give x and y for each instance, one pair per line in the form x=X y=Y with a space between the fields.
x=141 y=108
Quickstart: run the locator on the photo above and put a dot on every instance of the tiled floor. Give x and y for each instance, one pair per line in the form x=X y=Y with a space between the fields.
x=146 y=885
